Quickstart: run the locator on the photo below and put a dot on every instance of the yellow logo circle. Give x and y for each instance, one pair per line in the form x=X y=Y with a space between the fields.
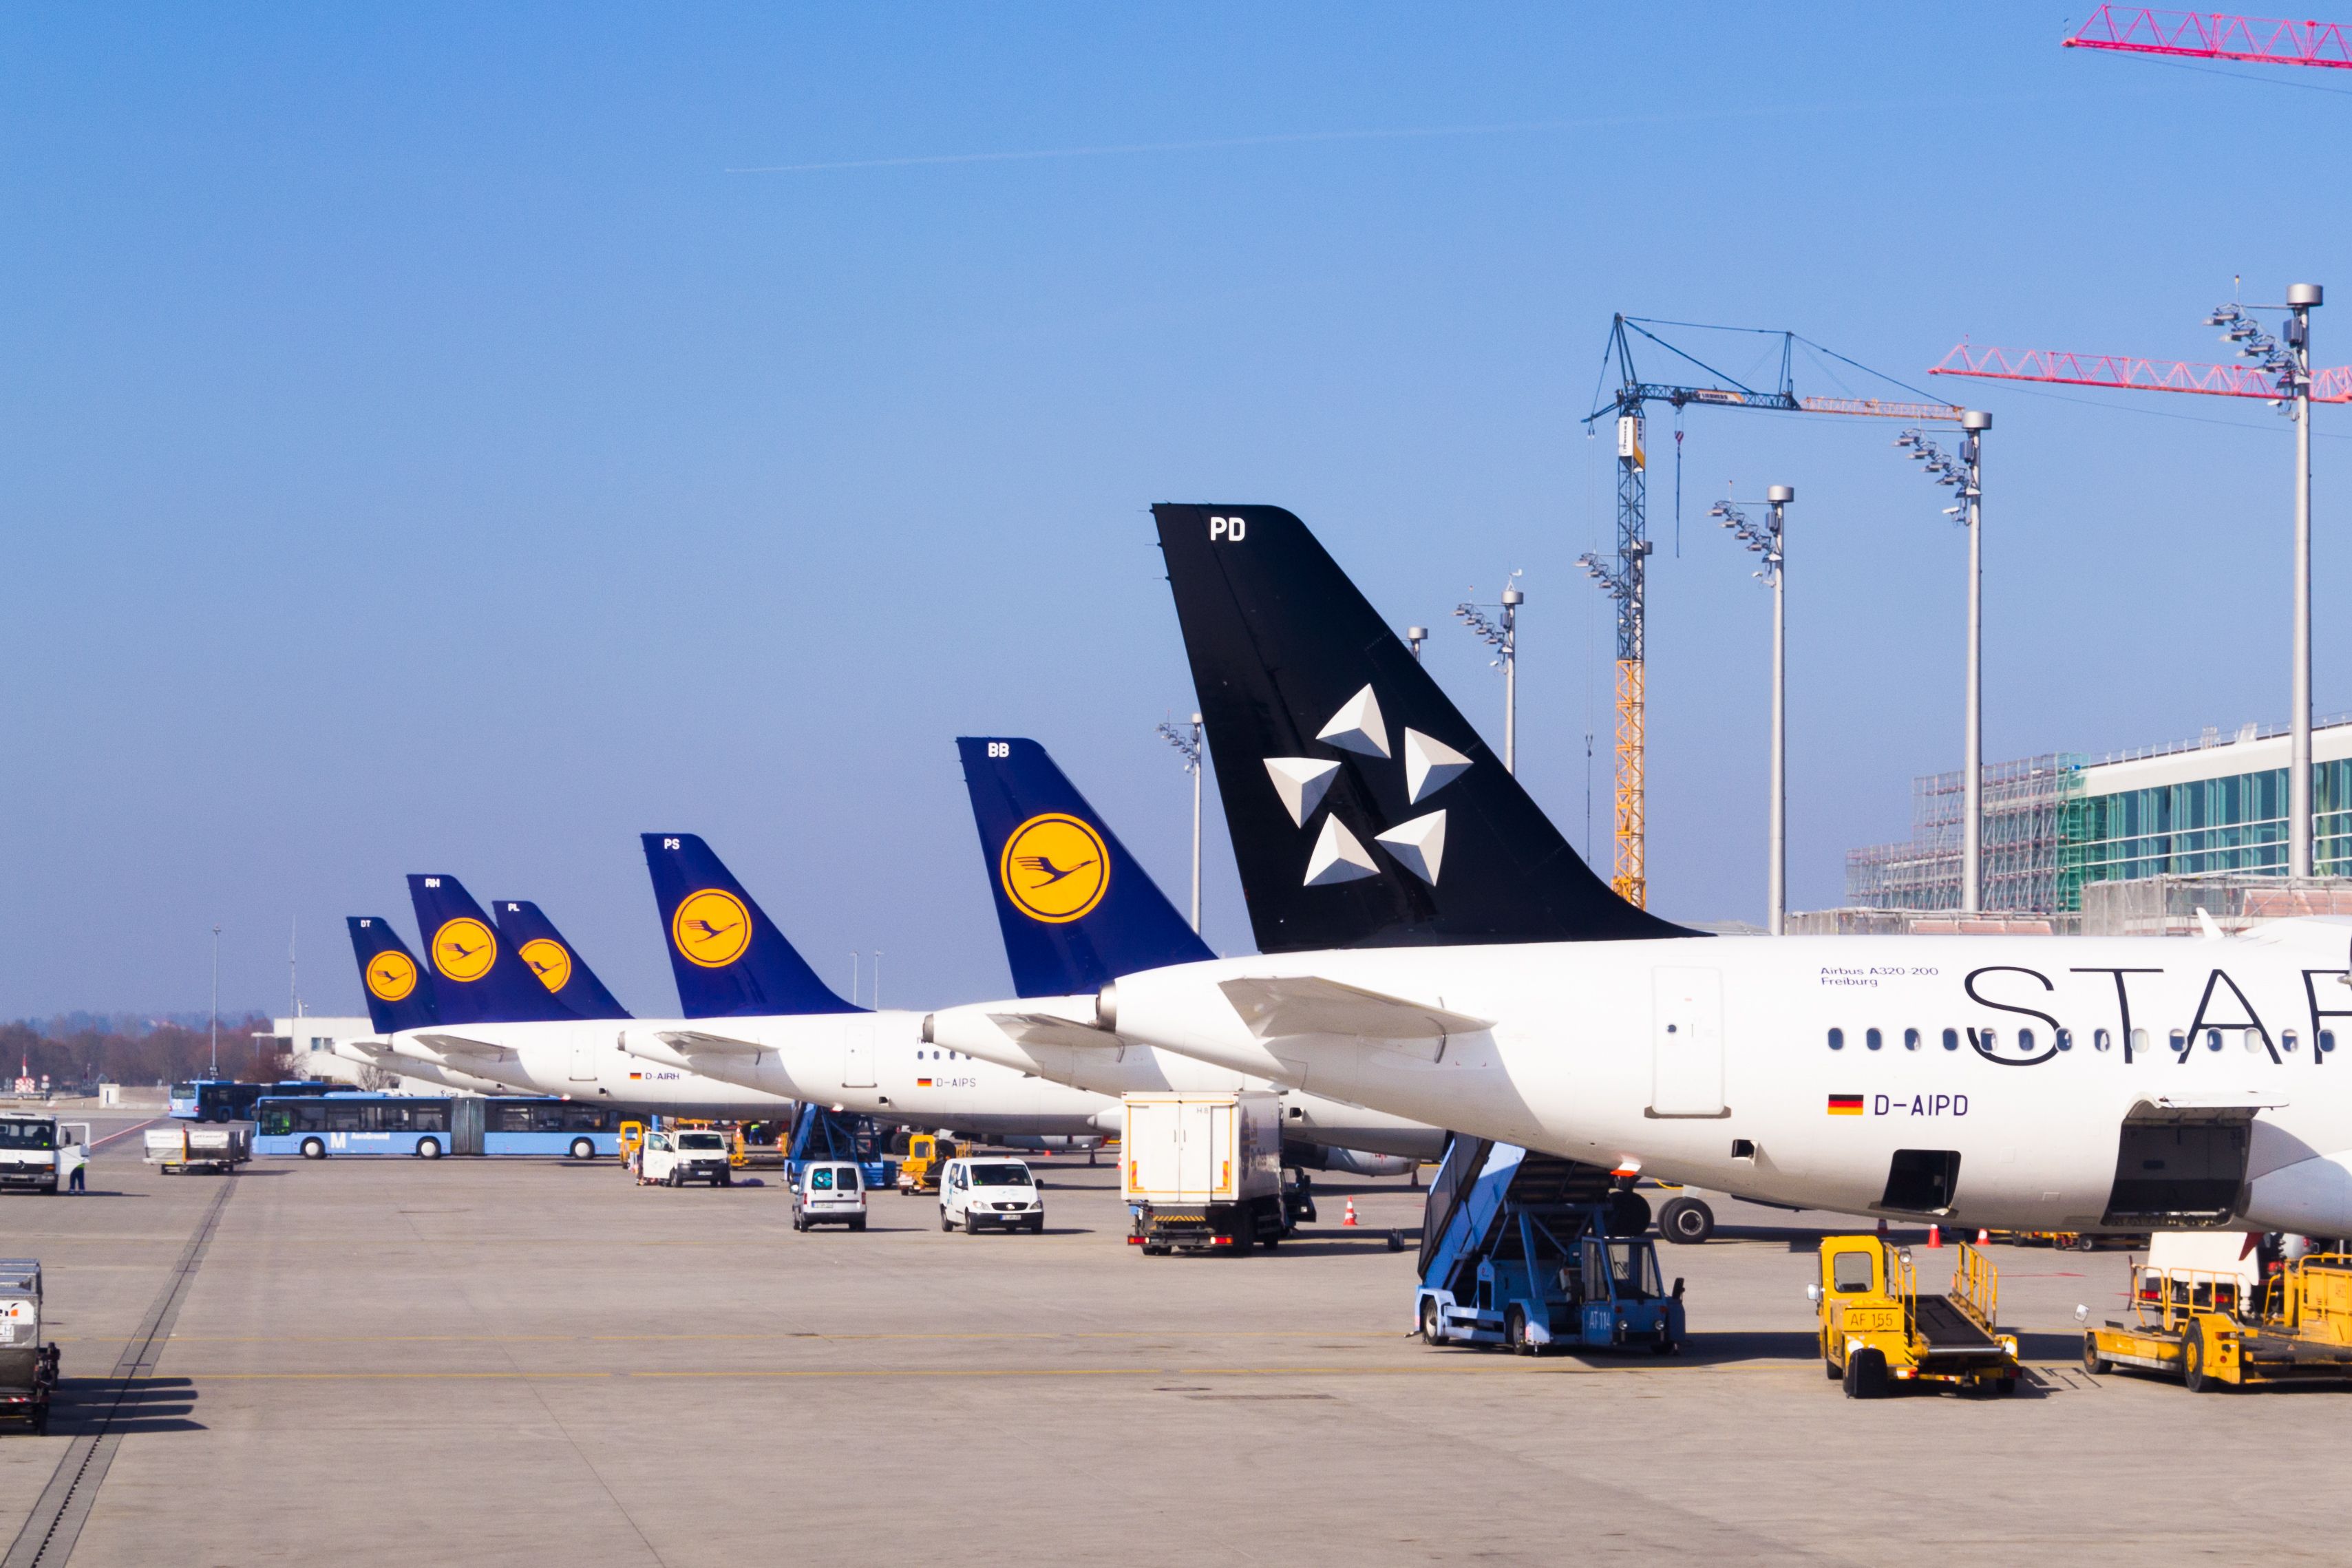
x=390 y=976
x=549 y=961
x=463 y=949
x=1055 y=869
x=711 y=928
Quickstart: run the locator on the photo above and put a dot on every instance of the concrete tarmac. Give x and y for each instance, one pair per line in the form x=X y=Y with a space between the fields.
x=474 y=1360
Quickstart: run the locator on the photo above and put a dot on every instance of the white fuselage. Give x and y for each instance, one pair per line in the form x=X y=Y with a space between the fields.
x=1113 y=1065
x=873 y=1063
x=1709 y=1060
x=583 y=1060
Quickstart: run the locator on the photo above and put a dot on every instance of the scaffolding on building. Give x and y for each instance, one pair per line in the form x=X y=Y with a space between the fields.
x=2033 y=830
x=2235 y=900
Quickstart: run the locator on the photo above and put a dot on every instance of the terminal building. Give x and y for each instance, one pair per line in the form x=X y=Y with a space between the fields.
x=2135 y=843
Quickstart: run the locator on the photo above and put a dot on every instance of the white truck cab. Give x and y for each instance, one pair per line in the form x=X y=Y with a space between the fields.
x=40 y=1151
x=997 y=1191
x=675 y=1156
x=829 y=1193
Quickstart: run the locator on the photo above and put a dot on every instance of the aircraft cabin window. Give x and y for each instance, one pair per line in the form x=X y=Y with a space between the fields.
x=2025 y=1042
x=2327 y=1041
x=2287 y=1042
x=2179 y=1042
x=2139 y=1041
x=2253 y=1039
x=2100 y=1040
x=1873 y=1040
x=1951 y=1040
x=1837 y=1039
x=2213 y=1039
x=1910 y=1039
x=2063 y=1040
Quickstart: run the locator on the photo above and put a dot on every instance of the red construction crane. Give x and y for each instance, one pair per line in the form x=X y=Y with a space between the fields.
x=2126 y=373
x=2210 y=35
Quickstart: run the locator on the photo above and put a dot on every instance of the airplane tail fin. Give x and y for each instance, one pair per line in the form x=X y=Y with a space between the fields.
x=477 y=979
x=1365 y=811
x=546 y=954
x=1077 y=910
x=399 y=993
x=730 y=959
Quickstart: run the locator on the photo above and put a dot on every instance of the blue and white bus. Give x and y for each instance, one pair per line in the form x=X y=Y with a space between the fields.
x=227 y=1099
x=427 y=1127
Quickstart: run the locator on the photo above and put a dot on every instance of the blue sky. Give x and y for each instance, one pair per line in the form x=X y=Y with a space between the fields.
x=428 y=449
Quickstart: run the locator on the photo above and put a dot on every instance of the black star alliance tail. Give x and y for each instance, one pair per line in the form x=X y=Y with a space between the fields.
x=1365 y=811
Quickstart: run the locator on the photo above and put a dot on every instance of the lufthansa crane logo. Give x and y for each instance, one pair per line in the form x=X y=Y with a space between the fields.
x=711 y=928
x=390 y=976
x=463 y=949
x=1055 y=869
x=549 y=961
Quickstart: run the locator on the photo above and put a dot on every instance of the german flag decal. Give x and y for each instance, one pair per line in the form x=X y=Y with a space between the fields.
x=925 y=1083
x=1845 y=1105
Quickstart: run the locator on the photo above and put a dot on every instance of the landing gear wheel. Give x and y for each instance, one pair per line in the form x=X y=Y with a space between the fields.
x=1866 y=1375
x=1515 y=1332
x=1430 y=1334
x=2093 y=1363
x=1686 y=1221
x=582 y=1149
x=1629 y=1214
x=2193 y=1376
x=312 y=1149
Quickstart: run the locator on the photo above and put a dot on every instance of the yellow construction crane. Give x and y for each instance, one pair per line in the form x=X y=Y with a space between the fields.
x=1626 y=578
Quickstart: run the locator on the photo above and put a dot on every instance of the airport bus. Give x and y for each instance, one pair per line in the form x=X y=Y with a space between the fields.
x=429 y=1126
x=226 y=1099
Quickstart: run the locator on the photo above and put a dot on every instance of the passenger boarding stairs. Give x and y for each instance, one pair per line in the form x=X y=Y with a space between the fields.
x=1481 y=1186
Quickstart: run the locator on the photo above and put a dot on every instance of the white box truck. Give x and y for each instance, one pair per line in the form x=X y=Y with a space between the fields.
x=40 y=1151
x=1203 y=1171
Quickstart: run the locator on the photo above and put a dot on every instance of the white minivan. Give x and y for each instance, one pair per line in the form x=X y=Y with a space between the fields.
x=998 y=1191
x=829 y=1194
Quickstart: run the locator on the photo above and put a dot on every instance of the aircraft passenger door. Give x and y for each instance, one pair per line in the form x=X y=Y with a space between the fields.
x=583 y=1062
x=1686 y=1043
x=858 y=1055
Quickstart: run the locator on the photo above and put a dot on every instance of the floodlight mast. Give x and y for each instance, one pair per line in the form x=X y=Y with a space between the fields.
x=1187 y=746
x=1503 y=636
x=1769 y=542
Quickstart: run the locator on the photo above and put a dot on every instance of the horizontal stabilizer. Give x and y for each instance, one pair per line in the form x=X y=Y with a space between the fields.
x=1278 y=1007
x=1044 y=1029
x=459 y=1045
x=694 y=1042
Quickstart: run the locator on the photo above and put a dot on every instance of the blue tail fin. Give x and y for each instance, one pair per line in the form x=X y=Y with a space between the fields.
x=1077 y=910
x=477 y=978
x=546 y=954
x=730 y=959
x=399 y=993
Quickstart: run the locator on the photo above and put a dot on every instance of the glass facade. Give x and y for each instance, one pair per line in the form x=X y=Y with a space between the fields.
x=2233 y=823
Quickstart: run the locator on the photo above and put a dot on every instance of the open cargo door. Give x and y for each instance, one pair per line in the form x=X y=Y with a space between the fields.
x=2180 y=1162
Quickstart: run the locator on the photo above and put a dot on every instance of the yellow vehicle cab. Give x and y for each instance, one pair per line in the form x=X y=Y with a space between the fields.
x=2214 y=1324
x=1879 y=1333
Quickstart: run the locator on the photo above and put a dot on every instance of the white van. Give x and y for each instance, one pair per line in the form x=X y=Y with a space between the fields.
x=999 y=1191
x=829 y=1194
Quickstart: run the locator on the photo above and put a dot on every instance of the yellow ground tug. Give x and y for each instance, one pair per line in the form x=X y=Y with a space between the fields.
x=2219 y=1328
x=1879 y=1333
x=921 y=1160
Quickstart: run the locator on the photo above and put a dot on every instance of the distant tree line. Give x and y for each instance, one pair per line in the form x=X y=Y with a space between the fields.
x=79 y=1050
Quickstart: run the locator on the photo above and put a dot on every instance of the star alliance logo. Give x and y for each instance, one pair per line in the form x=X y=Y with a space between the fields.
x=1338 y=856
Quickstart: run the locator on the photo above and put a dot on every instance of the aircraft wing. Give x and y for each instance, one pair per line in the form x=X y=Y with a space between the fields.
x=1044 y=1029
x=1279 y=1006
x=692 y=1041
x=459 y=1045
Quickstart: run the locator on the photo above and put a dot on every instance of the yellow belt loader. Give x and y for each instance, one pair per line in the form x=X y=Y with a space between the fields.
x=1878 y=1333
x=2212 y=1332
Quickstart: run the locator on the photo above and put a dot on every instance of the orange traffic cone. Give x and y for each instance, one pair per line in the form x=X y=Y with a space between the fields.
x=1935 y=1235
x=1984 y=1239
x=1351 y=1214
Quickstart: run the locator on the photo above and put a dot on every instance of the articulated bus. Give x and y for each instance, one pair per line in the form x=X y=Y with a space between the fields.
x=428 y=1127
x=226 y=1099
